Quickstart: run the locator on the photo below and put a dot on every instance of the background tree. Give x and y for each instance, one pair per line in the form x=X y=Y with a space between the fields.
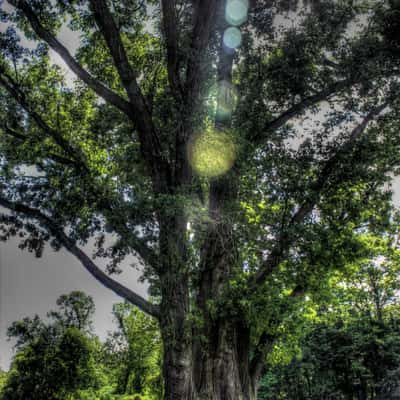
x=53 y=361
x=133 y=353
x=350 y=348
x=76 y=310
x=3 y=378
x=59 y=360
x=239 y=165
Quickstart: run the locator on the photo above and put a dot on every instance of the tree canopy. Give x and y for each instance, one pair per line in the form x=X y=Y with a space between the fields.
x=238 y=149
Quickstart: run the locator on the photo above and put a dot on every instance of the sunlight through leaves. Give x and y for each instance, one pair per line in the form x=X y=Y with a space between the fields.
x=212 y=153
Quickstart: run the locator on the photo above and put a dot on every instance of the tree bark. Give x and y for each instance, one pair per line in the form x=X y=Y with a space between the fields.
x=174 y=308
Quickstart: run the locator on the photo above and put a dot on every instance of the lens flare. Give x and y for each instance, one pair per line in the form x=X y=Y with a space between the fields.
x=211 y=153
x=236 y=12
x=225 y=97
x=232 y=37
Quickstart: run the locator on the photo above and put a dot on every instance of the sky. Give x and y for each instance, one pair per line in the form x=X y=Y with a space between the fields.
x=30 y=285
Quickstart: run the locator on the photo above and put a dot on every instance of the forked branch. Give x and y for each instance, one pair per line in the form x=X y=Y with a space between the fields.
x=285 y=240
x=101 y=90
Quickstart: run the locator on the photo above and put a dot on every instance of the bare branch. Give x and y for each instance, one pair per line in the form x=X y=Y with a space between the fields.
x=100 y=89
x=86 y=261
x=285 y=240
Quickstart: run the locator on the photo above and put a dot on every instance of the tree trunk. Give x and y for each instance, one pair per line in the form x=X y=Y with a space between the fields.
x=221 y=367
x=174 y=308
x=219 y=370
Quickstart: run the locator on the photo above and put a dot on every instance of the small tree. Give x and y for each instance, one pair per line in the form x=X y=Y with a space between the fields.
x=56 y=360
x=54 y=371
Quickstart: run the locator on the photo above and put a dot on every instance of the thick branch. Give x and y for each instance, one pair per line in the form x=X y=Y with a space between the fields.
x=140 y=113
x=265 y=344
x=100 y=89
x=257 y=363
x=204 y=17
x=285 y=240
x=170 y=24
x=86 y=261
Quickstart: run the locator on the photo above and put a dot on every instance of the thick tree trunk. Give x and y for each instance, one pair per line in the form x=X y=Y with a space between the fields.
x=219 y=370
x=214 y=363
x=174 y=308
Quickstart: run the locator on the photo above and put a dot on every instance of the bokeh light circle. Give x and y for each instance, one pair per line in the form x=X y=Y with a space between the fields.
x=236 y=11
x=226 y=97
x=232 y=37
x=211 y=153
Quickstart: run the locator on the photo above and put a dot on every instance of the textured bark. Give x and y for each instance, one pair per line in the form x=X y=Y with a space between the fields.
x=174 y=308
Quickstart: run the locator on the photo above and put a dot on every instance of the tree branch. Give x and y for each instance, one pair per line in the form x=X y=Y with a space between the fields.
x=204 y=16
x=285 y=240
x=140 y=113
x=292 y=112
x=100 y=89
x=79 y=162
x=86 y=261
x=266 y=342
x=170 y=24
x=257 y=363
x=55 y=157
x=12 y=88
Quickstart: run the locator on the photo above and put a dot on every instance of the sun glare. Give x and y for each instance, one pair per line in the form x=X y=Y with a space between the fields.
x=212 y=153
x=236 y=12
x=232 y=37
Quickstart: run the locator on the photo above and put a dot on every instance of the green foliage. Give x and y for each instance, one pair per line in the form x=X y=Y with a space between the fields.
x=254 y=229
x=76 y=309
x=351 y=346
x=63 y=360
x=133 y=353
x=53 y=370
x=54 y=360
x=3 y=379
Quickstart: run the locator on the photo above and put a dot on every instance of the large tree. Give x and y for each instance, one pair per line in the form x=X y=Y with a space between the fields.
x=236 y=148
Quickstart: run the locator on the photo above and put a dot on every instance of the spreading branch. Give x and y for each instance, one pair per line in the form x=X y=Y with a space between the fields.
x=140 y=112
x=52 y=156
x=86 y=261
x=285 y=240
x=19 y=96
x=100 y=89
x=77 y=160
